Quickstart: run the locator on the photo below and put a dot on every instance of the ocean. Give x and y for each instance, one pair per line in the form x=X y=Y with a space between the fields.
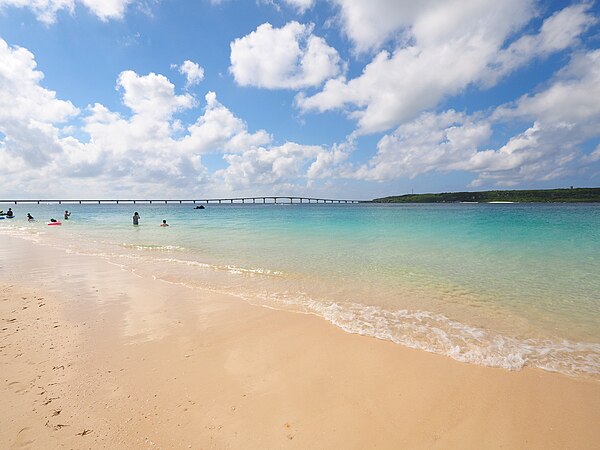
x=502 y=285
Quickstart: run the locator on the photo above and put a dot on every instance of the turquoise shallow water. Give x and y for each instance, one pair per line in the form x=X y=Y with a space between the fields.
x=497 y=284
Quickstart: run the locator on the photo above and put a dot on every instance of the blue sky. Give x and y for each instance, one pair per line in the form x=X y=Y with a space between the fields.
x=335 y=98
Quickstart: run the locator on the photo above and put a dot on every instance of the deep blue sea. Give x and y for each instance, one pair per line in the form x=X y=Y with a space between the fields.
x=503 y=285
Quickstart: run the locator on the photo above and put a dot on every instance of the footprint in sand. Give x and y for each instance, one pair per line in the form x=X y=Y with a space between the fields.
x=17 y=387
x=49 y=400
x=24 y=438
x=287 y=426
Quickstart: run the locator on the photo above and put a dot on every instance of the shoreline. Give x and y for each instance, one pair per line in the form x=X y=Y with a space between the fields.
x=144 y=363
x=445 y=318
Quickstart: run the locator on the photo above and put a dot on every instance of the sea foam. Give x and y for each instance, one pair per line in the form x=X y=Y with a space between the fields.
x=436 y=333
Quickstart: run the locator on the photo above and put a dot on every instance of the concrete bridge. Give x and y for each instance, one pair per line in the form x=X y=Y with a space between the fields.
x=237 y=200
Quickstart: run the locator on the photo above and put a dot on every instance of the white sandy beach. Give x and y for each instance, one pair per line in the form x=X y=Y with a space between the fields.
x=93 y=356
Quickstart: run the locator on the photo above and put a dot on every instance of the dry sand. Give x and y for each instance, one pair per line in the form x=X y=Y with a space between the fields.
x=92 y=356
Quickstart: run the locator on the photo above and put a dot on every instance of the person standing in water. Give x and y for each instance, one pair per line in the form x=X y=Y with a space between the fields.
x=67 y=214
x=30 y=218
x=136 y=218
x=164 y=224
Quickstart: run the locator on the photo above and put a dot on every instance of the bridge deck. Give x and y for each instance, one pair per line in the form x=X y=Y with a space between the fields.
x=238 y=200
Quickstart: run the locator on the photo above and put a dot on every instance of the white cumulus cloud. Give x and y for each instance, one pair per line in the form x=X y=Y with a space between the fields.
x=447 y=48
x=558 y=32
x=30 y=115
x=193 y=72
x=274 y=167
x=368 y=24
x=300 y=5
x=46 y=10
x=146 y=150
x=432 y=142
x=290 y=57
x=217 y=128
x=107 y=9
x=559 y=120
x=151 y=95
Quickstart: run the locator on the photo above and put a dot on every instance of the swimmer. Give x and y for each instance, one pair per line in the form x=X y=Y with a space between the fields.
x=136 y=218
x=164 y=224
x=67 y=214
x=30 y=218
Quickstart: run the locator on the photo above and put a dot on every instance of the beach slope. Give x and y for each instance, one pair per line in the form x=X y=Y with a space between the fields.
x=95 y=356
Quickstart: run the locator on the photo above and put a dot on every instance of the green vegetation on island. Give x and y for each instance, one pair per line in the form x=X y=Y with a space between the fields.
x=526 y=196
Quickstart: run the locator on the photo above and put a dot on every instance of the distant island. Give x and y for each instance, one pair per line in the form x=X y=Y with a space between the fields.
x=572 y=195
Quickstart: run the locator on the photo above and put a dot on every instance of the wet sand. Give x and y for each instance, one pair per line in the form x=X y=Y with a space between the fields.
x=93 y=356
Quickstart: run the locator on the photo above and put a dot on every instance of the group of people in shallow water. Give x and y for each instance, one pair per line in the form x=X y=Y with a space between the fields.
x=10 y=214
x=136 y=217
x=136 y=220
